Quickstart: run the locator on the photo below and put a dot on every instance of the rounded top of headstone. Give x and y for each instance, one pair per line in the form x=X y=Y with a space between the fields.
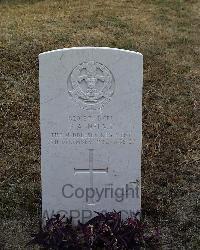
x=91 y=48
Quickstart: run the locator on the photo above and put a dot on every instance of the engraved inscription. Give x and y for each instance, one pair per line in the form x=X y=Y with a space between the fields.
x=91 y=129
x=91 y=84
x=91 y=138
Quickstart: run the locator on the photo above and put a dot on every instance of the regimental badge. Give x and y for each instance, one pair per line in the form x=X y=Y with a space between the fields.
x=91 y=84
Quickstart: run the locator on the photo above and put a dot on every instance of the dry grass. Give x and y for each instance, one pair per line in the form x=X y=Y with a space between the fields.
x=167 y=34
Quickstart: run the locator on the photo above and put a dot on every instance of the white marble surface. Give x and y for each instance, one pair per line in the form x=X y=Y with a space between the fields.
x=91 y=130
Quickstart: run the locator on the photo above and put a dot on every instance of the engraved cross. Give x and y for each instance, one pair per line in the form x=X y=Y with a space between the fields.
x=91 y=170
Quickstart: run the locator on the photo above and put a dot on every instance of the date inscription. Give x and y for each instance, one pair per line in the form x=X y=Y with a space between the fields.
x=91 y=129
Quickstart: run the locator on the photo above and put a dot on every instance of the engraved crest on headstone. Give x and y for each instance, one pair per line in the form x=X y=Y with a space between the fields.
x=91 y=84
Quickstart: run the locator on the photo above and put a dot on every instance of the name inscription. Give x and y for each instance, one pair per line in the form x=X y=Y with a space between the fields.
x=91 y=129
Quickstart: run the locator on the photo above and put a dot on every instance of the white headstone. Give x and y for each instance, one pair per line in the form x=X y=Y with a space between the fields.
x=91 y=131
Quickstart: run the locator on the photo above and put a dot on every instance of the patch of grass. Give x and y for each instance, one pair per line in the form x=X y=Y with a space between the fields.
x=167 y=34
x=19 y=1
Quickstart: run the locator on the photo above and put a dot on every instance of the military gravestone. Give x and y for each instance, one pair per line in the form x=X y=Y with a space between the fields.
x=91 y=131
